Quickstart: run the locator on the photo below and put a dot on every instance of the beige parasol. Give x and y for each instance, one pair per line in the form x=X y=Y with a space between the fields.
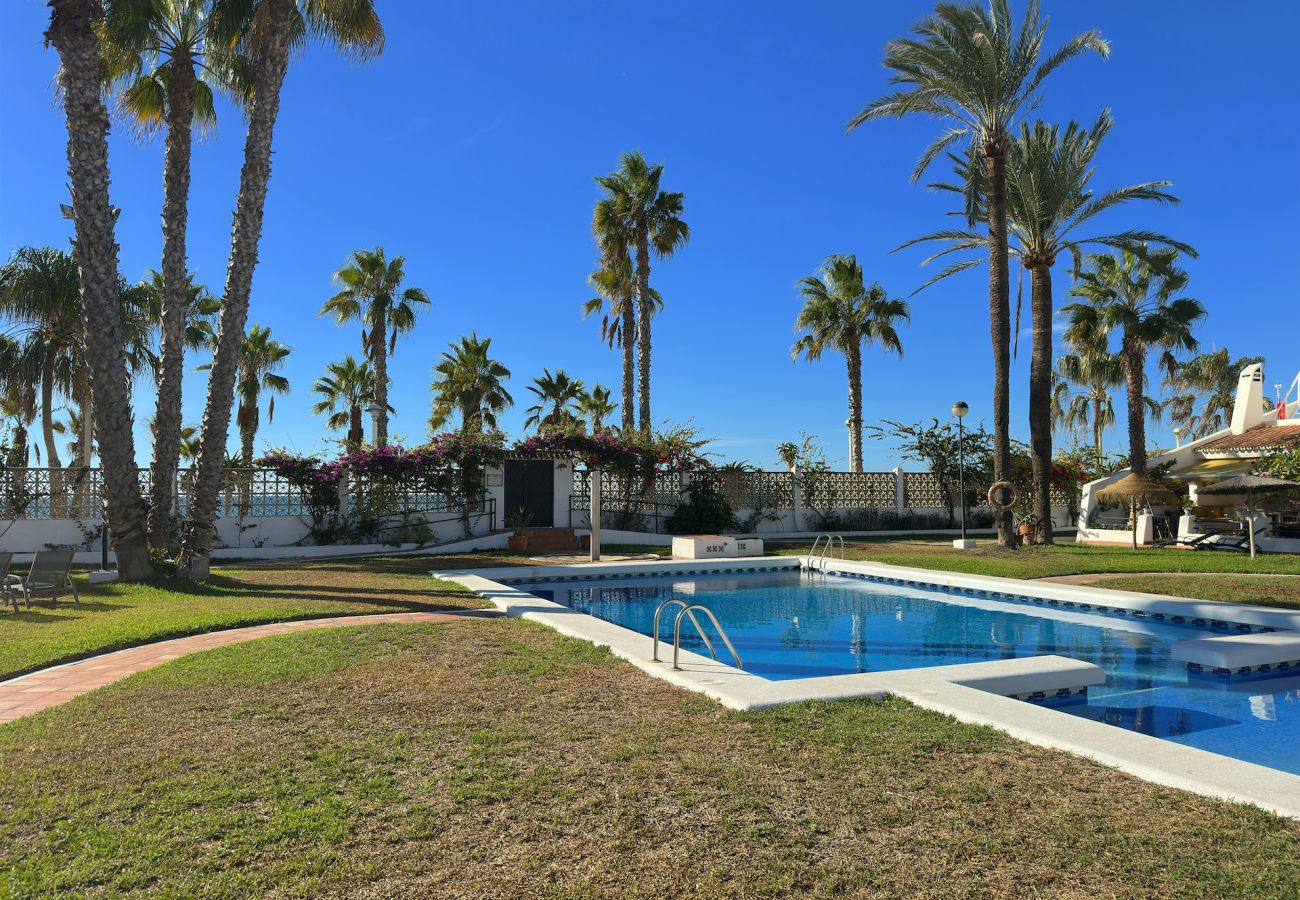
x=1134 y=489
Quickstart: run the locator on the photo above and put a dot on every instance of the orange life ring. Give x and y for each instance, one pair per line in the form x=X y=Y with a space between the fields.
x=1002 y=488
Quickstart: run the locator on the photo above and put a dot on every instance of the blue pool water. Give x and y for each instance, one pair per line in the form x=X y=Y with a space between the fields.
x=789 y=624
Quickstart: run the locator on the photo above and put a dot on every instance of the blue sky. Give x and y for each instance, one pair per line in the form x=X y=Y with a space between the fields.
x=469 y=147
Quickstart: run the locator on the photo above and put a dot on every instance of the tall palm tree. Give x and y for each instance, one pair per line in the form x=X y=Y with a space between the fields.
x=346 y=390
x=260 y=359
x=615 y=281
x=1049 y=197
x=372 y=292
x=1135 y=294
x=468 y=381
x=972 y=68
x=198 y=308
x=558 y=397
x=1082 y=398
x=17 y=402
x=595 y=406
x=158 y=61
x=39 y=288
x=72 y=33
x=841 y=312
x=651 y=220
x=262 y=32
x=1209 y=380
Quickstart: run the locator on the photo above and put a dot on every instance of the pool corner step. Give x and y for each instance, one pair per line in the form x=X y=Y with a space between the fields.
x=1270 y=653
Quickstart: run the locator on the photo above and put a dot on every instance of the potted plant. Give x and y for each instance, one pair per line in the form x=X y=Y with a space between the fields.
x=1027 y=525
x=517 y=522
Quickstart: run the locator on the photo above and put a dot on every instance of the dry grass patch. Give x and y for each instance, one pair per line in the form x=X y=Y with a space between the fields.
x=496 y=758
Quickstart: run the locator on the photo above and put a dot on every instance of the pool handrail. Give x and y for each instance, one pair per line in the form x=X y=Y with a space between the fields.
x=826 y=551
x=677 y=632
x=654 y=629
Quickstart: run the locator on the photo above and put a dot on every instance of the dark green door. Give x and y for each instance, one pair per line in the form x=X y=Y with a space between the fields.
x=530 y=492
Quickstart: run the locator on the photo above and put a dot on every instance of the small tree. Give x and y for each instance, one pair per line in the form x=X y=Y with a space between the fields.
x=939 y=446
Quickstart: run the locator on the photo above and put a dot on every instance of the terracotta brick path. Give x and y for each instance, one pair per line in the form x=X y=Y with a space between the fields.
x=56 y=685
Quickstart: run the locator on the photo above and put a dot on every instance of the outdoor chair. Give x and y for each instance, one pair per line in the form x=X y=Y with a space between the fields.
x=6 y=590
x=1238 y=542
x=48 y=576
x=1193 y=543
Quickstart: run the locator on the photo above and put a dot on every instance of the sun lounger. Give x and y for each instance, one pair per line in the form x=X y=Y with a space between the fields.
x=48 y=576
x=9 y=592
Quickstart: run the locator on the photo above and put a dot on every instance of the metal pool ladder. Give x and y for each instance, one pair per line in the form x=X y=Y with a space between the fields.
x=688 y=611
x=827 y=550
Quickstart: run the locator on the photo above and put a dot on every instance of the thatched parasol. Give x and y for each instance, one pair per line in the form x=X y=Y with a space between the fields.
x=1134 y=489
x=1250 y=485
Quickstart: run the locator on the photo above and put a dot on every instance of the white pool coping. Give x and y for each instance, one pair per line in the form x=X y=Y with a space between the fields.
x=975 y=693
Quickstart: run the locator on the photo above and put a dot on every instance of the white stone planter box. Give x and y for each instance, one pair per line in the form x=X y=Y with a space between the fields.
x=704 y=546
x=749 y=547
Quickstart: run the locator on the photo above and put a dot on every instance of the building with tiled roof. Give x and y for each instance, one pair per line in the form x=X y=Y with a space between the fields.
x=1258 y=430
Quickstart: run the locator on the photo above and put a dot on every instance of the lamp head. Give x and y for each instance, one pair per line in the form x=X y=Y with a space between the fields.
x=960 y=408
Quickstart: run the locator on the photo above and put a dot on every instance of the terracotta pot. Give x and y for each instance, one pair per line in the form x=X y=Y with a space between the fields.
x=517 y=542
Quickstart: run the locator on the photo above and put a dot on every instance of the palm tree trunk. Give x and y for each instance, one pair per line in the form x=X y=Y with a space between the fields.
x=247 y=434
x=628 y=335
x=196 y=540
x=853 y=354
x=47 y=410
x=171 y=366
x=73 y=35
x=1000 y=323
x=52 y=461
x=644 y=307
x=1040 y=397
x=1131 y=358
x=379 y=343
x=1096 y=433
x=86 y=439
x=356 y=428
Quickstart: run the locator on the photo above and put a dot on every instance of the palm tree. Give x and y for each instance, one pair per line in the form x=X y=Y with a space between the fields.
x=971 y=67
x=260 y=359
x=558 y=397
x=1135 y=294
x=469 y=382
x=17 y=402
x=1209 y=379
x=372 y=292
x=262 y=32
x=1049 y=196
x=841 y=312
x=346 y=390
x=198 y=310
x=615 y=281
x=651 y=221
x=1081 y=395
x=72 y=33
x=39 y=288
x=158 y=60
x=595 y=406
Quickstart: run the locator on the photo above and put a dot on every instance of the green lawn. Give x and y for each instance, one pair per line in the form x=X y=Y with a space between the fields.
x=1060 y=559
x=1260 y=589
x=497 y=758
x=113 y=616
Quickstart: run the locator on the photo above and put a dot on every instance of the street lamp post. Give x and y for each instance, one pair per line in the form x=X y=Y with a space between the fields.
x=375 y=410
x=960 y=409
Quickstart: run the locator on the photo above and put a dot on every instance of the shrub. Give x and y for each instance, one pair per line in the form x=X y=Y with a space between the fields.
x=704 y=511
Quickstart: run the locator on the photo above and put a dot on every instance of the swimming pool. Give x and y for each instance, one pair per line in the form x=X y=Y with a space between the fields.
x=790 y=624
